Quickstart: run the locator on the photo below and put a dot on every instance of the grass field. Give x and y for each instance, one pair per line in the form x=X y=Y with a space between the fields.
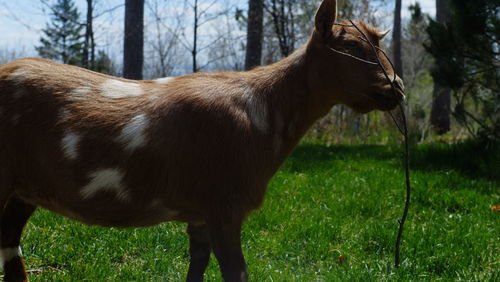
x=330 y=215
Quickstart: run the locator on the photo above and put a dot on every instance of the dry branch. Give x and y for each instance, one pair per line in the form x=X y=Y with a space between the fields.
x=403 y=129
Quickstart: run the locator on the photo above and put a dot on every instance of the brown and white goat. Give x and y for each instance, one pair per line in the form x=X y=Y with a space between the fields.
x=199 y=148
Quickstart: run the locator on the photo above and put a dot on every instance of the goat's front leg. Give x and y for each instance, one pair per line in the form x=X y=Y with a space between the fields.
x=226 y=244
x=13 y=219
x=199 y=251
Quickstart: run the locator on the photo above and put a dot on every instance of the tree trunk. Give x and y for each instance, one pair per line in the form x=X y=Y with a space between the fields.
x=254 y=34
x=89 y=58
x=133 y=51
x=194 y=51
x=90 y=26
x=441 y=102
x=396 y=39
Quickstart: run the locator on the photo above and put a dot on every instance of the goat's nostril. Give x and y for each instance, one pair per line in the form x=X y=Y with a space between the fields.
x=403 y=97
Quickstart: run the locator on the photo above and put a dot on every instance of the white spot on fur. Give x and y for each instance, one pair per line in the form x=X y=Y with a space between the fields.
x=7 y=254
x=133 y=134
x=64 y=114
x=257 y=112
x=109 y=179
x=79 y=93
x=19 y=76
x=70 y=145
x=116 y=89
x=164 y=80
x=153 y=97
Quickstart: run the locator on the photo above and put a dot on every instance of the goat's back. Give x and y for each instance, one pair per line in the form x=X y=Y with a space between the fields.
x=117 y=152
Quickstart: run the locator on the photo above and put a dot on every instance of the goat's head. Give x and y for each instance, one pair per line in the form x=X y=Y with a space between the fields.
x=344 y=66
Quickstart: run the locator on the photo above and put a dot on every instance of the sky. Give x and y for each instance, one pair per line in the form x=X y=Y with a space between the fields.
x=22 y=20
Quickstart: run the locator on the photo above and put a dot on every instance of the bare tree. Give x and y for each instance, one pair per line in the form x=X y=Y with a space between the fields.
x=133 y=51
x=228 y=53
x=11 y=54
x=441 y=102
x=203 y=13
x=162 y=47
x=254 y=33
x=282 y=13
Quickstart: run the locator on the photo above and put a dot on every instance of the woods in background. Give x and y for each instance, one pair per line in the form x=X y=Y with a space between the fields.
x=465 y=44
x=70 y=40
x=452 y=82
x=441 y=97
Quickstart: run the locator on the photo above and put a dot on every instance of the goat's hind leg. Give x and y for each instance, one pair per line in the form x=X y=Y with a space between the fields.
x=13 y=219
x=199 y=251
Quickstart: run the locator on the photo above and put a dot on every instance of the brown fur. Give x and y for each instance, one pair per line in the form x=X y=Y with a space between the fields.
x=214 y=139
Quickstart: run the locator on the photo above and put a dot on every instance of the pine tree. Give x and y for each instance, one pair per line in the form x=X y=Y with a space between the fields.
x=104 y=64
x=62 y=38
x=468 y=61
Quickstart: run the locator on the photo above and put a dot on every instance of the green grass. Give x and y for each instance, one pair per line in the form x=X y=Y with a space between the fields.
x=324 y=203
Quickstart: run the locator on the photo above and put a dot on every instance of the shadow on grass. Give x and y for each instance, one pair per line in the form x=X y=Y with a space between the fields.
x=310 y=157
x=474 y=160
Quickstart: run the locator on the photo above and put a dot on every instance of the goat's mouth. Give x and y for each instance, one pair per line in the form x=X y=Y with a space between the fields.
x=389 y=100
x=385 y=100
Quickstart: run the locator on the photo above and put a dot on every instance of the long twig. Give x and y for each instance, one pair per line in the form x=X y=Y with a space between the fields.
x=353 y=57
x=403 y=130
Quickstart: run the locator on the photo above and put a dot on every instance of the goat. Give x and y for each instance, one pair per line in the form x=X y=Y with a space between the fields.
x=199 y=148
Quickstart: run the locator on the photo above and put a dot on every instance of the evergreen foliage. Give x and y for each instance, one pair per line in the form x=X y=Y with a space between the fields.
x=62 y=38
x=466 y=50
x=104 y=64
x=416 y=60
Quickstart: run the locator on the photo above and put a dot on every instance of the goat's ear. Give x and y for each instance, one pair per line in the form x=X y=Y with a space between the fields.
x=326 y=17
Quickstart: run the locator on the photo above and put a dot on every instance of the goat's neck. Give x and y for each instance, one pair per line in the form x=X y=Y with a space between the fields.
x=292 y=106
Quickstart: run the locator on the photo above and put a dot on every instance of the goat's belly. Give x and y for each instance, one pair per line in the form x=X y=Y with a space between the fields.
x=104 y=211
x=111 y=197
x=121 y=216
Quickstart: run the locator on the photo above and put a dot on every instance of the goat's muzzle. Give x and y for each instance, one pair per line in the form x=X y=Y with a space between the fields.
x=392 y=97
x=398 y=82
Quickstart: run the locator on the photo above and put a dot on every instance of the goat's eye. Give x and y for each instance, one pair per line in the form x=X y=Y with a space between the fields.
x=352 y=44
